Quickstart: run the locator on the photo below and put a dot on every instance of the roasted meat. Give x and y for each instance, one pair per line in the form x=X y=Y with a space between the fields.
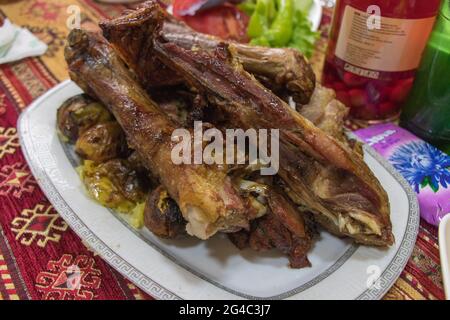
x=321 y=173
x=280 y=69
x=205 y=194
x=162 y=215
x=328 y=114
x=284 y=70
x=282 y=228
x=325 y=111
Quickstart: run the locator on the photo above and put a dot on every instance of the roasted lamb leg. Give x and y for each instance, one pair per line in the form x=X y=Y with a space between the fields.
x=322 y=174
x=284 y=70
x=162 y=216
x=328 y=114
x=205 y=194
x=280 y=69
x=282 y=228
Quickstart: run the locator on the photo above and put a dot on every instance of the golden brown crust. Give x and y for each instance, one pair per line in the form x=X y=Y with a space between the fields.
x=205 y=195
x=284 y=69
x=320 y=171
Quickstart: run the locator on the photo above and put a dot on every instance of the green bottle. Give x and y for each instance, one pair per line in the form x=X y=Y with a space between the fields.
x=427 y=110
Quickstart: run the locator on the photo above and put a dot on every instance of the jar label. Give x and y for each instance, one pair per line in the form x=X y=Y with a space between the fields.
x=395 y=46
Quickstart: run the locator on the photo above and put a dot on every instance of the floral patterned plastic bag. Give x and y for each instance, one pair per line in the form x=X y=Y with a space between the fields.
x=426 y=168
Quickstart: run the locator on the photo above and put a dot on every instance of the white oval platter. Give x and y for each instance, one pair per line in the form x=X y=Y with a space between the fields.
x=213 y=269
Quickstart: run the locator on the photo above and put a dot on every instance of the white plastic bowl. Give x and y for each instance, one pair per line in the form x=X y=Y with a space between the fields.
x=444 y=248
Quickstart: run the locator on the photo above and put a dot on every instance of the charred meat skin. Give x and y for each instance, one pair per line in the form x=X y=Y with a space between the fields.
x=281 y=69
x=282 y=228
x=205 y=195
x=133 y=35
x=321 y=173
x=163 y=216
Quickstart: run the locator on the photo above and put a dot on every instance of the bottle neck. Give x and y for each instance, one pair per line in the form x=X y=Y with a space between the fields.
x=445 y=9
x=440 y=37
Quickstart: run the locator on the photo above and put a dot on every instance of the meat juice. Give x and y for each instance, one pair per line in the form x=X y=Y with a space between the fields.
x=374 y=51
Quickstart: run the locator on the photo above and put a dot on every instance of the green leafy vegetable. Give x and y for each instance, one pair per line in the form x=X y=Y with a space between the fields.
x=280 y=23
x=280 y=31
x=303 y=5
x=248 y=7
x=261 y=18
x=303 y=38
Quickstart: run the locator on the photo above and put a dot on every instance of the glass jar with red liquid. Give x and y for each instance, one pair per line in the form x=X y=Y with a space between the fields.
x=374 y=50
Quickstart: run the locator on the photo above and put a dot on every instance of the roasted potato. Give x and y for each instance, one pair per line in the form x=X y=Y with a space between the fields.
x=102 y=142
x=115 y=184
x=136 y=162
x=131 y=184
x=101 y=188
x=78 y=114
x=162 y=216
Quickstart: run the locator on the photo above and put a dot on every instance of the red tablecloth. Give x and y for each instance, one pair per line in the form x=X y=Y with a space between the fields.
x=37 y=247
